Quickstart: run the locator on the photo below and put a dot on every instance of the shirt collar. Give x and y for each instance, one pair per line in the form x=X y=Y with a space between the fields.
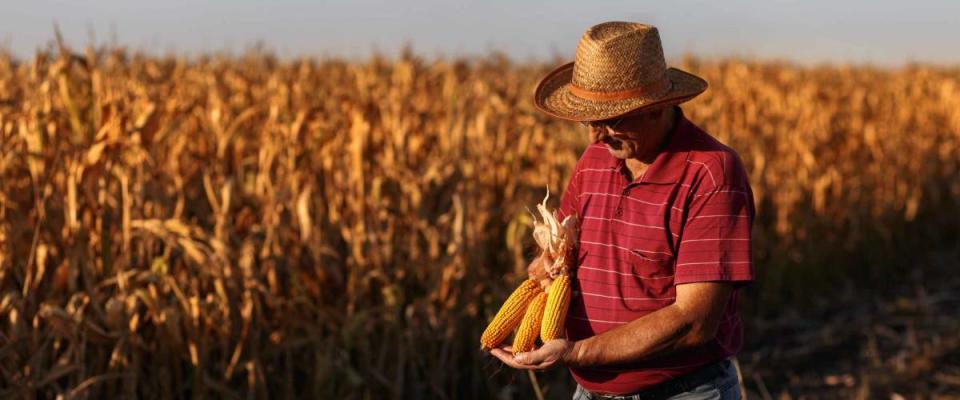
x=668 y=166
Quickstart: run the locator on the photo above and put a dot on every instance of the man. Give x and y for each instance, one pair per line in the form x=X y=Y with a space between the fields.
x=665 y=212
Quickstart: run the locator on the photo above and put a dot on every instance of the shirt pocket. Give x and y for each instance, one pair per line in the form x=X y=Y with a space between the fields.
x=650 y=265
x=652 y=279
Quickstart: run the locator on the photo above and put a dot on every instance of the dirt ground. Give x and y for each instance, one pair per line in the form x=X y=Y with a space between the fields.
x=904 y=344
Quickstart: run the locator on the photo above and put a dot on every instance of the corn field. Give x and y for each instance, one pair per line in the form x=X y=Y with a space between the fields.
x=248 y=227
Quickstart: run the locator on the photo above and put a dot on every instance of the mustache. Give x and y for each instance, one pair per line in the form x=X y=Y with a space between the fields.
x=611 y=142
x=601 y=138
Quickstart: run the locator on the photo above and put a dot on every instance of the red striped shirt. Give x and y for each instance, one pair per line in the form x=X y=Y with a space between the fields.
x=687 y=218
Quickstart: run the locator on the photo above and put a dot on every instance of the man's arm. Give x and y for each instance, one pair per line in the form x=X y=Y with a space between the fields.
x=689 y=322
x=692 y=320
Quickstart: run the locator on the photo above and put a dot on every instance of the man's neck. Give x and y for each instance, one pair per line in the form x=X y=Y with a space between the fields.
x=635 y=168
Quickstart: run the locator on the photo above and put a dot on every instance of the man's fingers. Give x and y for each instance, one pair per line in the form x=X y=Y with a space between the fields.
x=544 y=365
x=505 y=350
x=522 y=358
x=507 y=358
x=504 y=353
x=498 y=353
x=531 y=357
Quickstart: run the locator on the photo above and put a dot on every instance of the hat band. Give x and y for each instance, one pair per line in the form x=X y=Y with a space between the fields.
x=653 y=88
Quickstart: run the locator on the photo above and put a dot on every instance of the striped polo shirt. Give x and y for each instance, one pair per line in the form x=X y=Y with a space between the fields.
x=687 y=218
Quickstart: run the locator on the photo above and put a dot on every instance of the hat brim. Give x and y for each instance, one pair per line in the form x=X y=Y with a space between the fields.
x=553 y=96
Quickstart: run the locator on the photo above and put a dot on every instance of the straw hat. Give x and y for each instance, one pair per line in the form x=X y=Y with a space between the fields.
x=619 y=68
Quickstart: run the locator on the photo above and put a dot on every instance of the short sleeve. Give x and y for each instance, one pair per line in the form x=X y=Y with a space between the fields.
x=715 y=243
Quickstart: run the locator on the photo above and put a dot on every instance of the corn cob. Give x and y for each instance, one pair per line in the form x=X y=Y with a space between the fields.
x=558 y=300
x=510 y=314
x=530 y=326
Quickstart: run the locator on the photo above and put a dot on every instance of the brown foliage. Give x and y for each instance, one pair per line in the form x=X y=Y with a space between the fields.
x=249 y=226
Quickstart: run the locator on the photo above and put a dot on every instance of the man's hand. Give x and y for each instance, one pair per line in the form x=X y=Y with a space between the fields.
x=554 y=352
x=537 y=270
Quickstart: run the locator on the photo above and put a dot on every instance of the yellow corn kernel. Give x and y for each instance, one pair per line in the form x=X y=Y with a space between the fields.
x=555 y=312
x=530 y=326
x=510 y=314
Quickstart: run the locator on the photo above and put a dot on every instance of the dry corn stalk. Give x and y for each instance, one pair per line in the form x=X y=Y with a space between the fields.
x=816 y=153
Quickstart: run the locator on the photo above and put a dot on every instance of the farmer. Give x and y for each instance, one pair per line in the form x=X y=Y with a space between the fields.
x=665 y=212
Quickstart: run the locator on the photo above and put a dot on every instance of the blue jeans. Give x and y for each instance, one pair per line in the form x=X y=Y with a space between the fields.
x=724 y=386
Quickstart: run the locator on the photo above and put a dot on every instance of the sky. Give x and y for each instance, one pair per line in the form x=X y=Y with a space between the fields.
x=816 y=31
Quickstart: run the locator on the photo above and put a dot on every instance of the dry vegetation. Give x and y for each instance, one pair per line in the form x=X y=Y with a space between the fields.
x=242 y=226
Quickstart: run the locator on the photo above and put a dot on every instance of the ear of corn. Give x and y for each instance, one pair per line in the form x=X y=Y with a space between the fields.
x=530 y=326
x=510 y=314
x=555 y=312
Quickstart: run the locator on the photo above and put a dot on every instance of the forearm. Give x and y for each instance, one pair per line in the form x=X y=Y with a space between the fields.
x=664 y=331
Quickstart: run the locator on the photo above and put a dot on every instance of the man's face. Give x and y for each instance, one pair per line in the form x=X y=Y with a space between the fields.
x=633 y=136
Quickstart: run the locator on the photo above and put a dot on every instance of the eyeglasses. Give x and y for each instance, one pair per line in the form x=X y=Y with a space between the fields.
x=610 y=123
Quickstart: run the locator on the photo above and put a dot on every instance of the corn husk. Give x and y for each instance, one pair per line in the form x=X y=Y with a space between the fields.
x=556 y=239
